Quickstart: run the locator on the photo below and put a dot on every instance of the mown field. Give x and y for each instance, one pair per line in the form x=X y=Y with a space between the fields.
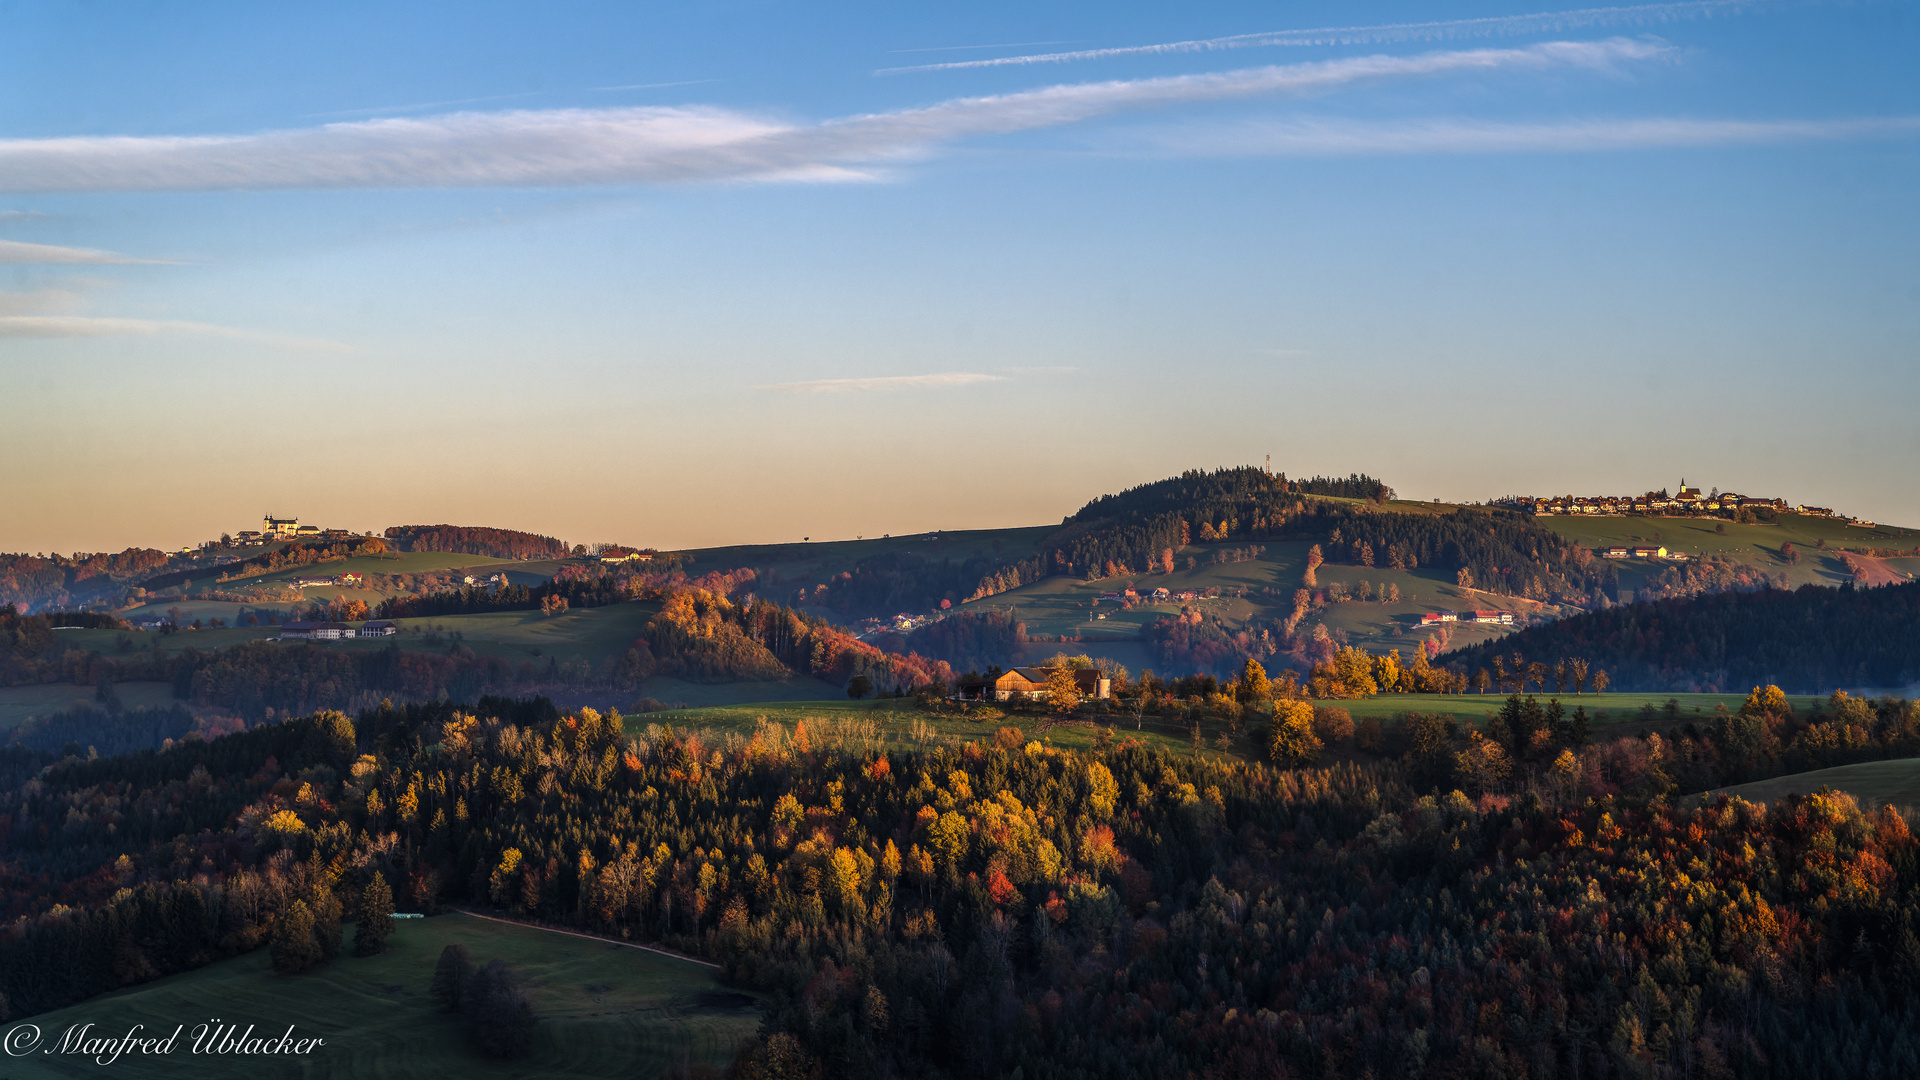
x=605 y=1010
x=1874 y=783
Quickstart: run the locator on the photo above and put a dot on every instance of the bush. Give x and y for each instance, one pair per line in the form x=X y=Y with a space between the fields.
x=1332 y=724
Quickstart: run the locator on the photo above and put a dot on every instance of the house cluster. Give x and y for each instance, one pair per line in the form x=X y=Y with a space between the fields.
x=614 y=556
x=1161 y=595
x=1497 y=618
x=334 y=631
x=1638 y=551
x=1689 y=501
x=1030 y=684
x=274 y=530
x=345 y=581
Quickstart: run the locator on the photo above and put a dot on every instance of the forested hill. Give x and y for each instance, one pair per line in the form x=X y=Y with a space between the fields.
x=1808 y=640
x=1006 y=908
x=477 y=540
x=40 y=582
x=1138 y=530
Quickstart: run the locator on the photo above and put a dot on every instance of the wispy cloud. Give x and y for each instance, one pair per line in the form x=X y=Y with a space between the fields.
x=23 y=215
x=1546 y=22
x=1321 y=137
x=664 y=145
x=39 y=301
x=17 y=252
x=1050 y=370
x=75 y=326
x=967 y=48
x=886 y=382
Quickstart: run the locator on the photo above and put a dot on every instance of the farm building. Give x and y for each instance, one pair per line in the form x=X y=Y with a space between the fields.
x=315 y=631
x=1649 y=551
x=378 y=628
x=1434 y=618
x=1500 y=618
x=1030 y=683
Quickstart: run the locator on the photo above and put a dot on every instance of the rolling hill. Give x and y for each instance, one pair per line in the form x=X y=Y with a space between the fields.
x=604 y=1009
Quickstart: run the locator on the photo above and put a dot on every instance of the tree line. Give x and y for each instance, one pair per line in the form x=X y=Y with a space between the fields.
x=477 y=540
x=49 y=581
x=1811 y=638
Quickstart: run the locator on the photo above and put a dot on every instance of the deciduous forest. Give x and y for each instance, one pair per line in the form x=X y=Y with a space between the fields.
x=1003 y=905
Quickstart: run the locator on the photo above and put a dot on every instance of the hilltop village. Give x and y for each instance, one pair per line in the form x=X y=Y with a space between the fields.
x=1687 y=502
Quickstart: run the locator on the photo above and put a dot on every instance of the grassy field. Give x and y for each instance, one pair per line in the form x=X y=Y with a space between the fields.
x=18 y=704
x=1756 y=545
x=1613 y=714
x=591 y=634
x=898 y=723
x=894 y=722
x=1874 y=783
x=396 y=562
x=605 y=1010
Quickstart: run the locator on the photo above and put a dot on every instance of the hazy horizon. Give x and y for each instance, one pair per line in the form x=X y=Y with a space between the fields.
x=919 y=519
x=691 y=276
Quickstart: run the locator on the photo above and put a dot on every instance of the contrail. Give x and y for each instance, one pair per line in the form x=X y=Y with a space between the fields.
x=1542 y=22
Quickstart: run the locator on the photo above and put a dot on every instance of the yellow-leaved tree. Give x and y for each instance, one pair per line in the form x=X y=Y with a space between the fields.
x=1290 y=738
x=1063 y=690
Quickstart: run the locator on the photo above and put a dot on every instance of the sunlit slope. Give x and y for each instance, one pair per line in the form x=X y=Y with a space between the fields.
x=1755 y=545
x=1258 y=592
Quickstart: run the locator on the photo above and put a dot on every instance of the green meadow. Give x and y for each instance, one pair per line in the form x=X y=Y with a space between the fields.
x=899 y=722
x=1874 y=783
x=18 y=704
x=605 y=1009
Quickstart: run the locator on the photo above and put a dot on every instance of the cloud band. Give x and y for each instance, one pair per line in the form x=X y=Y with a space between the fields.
x=667 y=145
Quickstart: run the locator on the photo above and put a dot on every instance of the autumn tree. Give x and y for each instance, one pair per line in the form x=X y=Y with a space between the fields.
x=1310 y=579
x=1063 y=689
x=293 y=946
x=376 y=917
x=1254 y=684
x=1291 y=742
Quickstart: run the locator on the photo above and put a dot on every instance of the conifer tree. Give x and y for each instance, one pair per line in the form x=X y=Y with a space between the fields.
x=294 y=948
x=376 y=917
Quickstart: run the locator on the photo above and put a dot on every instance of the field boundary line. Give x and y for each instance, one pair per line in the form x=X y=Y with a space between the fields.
x=589 y=937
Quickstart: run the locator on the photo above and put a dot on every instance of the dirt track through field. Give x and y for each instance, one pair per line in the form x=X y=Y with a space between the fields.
x=589 y=937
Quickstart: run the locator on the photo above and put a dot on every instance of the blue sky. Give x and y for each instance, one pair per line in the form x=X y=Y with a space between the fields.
x=689 y=274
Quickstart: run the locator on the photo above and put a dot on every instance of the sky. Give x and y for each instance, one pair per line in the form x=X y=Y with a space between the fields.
x=703 y=273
